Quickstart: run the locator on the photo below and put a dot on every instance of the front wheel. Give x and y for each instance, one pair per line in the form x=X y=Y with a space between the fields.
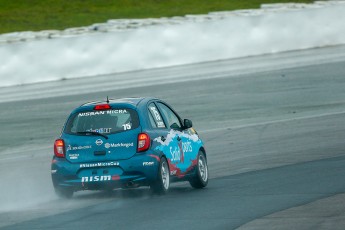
x=200 y=180
x=162 y=184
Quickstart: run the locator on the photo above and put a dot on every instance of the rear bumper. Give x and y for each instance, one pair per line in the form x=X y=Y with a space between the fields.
x=140 y=170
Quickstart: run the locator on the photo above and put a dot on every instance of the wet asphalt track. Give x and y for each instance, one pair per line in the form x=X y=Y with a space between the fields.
x=275 y=140
x=226 y=204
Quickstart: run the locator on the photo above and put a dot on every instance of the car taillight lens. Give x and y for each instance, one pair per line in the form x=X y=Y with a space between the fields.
x=102 y=107
x=143 y=142
x=59 y=148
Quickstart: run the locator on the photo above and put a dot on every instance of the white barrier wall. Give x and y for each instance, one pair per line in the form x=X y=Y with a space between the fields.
x=125 y=45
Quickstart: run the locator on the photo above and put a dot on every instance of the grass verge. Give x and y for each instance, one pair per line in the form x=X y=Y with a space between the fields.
x=35 y=15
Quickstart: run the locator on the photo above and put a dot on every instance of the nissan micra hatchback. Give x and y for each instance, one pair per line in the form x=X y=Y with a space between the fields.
x=127 y=143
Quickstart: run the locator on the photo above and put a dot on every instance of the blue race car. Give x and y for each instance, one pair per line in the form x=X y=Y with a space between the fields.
x=127 y=143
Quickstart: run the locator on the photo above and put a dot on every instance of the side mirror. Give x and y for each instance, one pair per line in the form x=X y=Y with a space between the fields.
x=187 y=124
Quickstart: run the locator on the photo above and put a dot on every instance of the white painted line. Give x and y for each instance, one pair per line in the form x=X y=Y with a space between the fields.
x=271 y=122
x=14 y=154
x=15 y=157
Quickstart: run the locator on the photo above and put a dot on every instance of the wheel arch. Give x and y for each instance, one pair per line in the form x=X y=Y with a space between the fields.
x=202 y=149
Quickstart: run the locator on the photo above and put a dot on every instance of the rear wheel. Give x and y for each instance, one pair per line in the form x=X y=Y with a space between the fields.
x=65 y=193
x=162 y=184
x=200 y=180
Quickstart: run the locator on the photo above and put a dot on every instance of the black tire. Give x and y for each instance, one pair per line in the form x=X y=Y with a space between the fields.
x=162 y=184
x=65 y=193
x=200 y=180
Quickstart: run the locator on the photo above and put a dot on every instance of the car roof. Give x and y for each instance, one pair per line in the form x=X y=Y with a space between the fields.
x=134 y=101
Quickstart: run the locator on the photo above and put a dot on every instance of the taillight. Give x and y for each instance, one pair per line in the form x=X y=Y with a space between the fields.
x=59 y=148
x=143 y=142
x=102 y=107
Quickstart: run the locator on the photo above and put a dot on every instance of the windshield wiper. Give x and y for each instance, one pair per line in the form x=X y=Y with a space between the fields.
x=94 y=133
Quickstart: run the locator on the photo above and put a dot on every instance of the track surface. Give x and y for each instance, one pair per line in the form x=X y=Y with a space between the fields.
x=228 y=202
x=275 y=140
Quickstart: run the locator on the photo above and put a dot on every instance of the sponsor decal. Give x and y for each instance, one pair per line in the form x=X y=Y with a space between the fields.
x=187 y=147
x=118 y=145
x=99 y=142
x=95 y=178
x=175 y=154
x=160 y=124
x=157 y=117
x=86 y=114
x=116 y=111
x=54 y=171
x=100 y=130
x=156 y=113
x=69 y=148
x=150 y=163
x=127 y=126
x=183 y=147
x=99 y=164
x=181 y=154
x=94 y=113
x=73 y=156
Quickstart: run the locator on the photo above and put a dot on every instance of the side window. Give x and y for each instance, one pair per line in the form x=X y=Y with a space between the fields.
x=173 y=121
x=159 y=123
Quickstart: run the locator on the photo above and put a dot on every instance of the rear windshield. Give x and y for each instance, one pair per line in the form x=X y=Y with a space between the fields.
x=104 y=121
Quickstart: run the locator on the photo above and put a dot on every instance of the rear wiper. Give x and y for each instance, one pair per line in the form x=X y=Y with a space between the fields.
x=94 y=133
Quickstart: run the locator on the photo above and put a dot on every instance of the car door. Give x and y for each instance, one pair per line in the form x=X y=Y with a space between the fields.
x=179 y=148
x=167 y=140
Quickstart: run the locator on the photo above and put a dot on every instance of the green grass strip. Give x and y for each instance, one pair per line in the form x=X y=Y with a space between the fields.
x=36 y=15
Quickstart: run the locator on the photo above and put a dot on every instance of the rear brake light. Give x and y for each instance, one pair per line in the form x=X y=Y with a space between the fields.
x=143 y=142
x=59 y=148
x=102 y=107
